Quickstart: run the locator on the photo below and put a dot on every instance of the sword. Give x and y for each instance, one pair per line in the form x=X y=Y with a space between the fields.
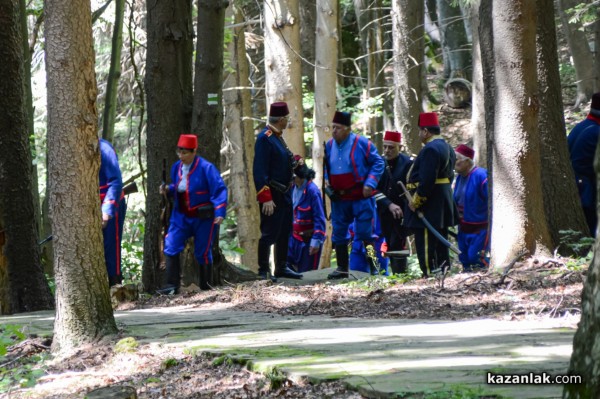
x=436 y=233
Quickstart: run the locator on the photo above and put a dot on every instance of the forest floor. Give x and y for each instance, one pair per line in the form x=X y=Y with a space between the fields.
x=536 y=289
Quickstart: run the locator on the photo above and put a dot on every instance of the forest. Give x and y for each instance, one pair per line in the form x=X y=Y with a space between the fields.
x=508 y=78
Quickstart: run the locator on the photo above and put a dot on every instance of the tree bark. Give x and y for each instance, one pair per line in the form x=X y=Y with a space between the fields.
x=456 y=49
x=585 y=359
x=583 y=59
x=561 y=201
x=238 y=123
x=407 y=28
x=207 y=113
x=84 y=313
x=283 y=81
x=519 y=221
x=326 y=59
x=114 y=74
x=28 y=289
x=29 y=112
x=307 y=42
x=478 y=132
x=169 y=98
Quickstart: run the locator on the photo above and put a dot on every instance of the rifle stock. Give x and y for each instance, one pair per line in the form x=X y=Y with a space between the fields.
x=130 y=188
x=165 y=204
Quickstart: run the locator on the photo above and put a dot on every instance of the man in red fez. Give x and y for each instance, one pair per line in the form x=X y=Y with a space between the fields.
x=390 y=198
x=429 y=181
x=582 y=142
x=200 y=204
x=273 y=173
x=353 y=169
x=471 y=198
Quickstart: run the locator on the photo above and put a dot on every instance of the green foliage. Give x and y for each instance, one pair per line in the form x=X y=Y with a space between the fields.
x=169 y=363
x=22 y=372
x=10 y=334
x=132 y=249
x=584 y=13
x=126 y=345
x=458 y=391
x=228 y=238
x=577 y=242
x=276 y=378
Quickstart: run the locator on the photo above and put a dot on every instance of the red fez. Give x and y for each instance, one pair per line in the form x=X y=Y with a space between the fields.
x=428 y=119
x=279 y=109
x=596 y=101
x=465 y=150
x=189 y=141
x=343 y=118
x=392 y=137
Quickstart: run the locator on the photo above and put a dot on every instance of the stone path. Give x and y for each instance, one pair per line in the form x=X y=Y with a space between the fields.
x=380 y=358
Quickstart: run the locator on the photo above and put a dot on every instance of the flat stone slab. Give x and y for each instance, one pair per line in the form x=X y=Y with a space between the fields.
x=379 y=358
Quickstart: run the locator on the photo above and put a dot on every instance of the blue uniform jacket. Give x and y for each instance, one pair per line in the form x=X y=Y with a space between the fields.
x=582 y=142
x=475 y=196
x=308 y=213
x=111 y=183
x=367 y=164
x=204 y=186
x=430 y=177
x=272 y=161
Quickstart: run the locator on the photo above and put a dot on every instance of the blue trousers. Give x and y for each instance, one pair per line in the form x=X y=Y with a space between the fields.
x=361 y=212
x=183 y=227
x=298 y=256
x=113 y=234
x=473 y=247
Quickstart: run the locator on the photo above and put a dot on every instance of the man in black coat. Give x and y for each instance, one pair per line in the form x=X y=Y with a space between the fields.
x=390 y=199
x=429 y=181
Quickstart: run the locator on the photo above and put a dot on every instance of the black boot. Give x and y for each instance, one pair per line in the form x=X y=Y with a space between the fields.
x=206 y=282
x=399 y=265
x=287 y=272
x=264 y=252
x=343 y=260
x=173 y=276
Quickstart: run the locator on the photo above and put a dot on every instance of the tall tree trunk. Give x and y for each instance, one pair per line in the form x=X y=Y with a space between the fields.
x=28 y=289
x=585 y=359
x=561 y=202
x=169 y=97
x=326 y=60
x=29 y=111
x=239 y=126
x=519 y=221
x=369 y=17
x=114 y=74
x=307 y=42
x=456 y=49
x=283 y=81
x=84 y=313
x=407 y=28
x=478 y=132
x=583 y=59
x=207 y=114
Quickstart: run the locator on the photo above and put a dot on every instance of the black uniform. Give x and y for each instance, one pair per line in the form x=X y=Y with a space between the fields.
x=429 y=182
x=389 y=192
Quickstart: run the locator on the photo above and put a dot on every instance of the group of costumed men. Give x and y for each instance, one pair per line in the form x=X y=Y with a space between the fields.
x=410 y=196
x=365 y=193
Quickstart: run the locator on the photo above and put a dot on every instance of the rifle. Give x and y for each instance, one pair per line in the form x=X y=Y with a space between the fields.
x=323 y=187
x=165 y=204
x=130 y=188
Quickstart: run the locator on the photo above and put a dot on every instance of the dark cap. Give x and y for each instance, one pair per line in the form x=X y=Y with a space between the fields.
x=279 y=109
x=596 y=101
x=343 y=118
